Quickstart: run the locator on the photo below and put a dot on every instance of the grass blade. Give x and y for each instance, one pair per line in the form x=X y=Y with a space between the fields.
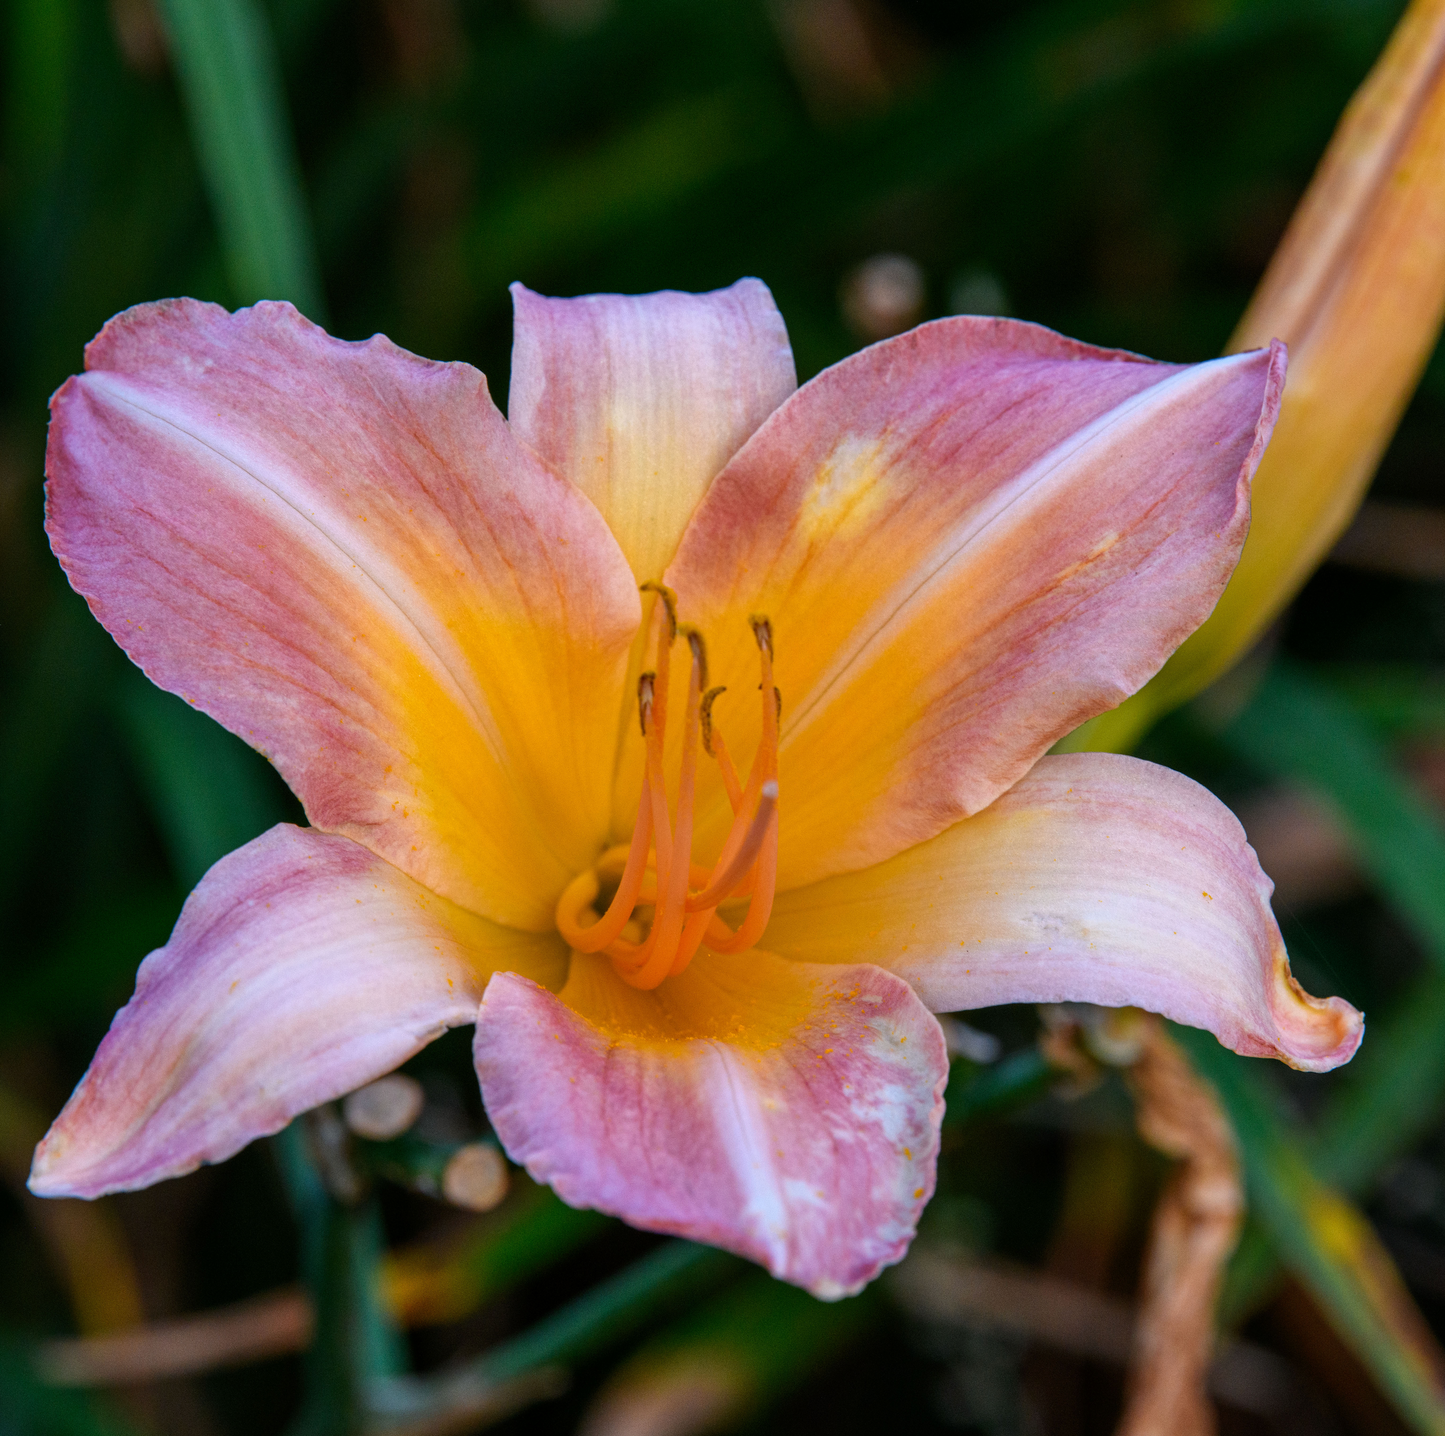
x=1296 y=728
x=226 y=62
x=1311 y=733
x=735 y=1355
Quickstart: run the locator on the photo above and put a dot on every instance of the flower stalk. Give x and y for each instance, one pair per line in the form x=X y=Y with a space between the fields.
x=355 y=1344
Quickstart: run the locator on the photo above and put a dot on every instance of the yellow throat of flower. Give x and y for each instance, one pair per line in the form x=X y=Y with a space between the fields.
x=656 y=869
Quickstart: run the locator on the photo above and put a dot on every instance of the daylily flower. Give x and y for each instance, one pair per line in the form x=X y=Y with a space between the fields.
x=682 y=731
x=1357 y=290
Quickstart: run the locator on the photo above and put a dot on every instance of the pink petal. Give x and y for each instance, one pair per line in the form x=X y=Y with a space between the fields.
x=786 y=1112
x=969 y=539
x=301 y=967
x=640 y=399
x=1097 y=878
x=340 y=551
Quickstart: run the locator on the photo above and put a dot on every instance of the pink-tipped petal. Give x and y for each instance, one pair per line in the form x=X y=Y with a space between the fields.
x=640 y=399
x=1097 y=878
x=968 y=539
x=341 y=552
x=302 y=967
x=783 y=1111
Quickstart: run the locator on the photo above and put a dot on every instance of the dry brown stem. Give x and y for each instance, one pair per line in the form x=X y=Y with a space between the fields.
x=952 y=1288
x=1196 y=1226
x=269 y=1325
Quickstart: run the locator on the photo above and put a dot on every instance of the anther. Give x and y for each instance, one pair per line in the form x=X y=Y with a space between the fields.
x=705 y=713
x=645 y=684
x=699 y=652
x=659 y=872
x=762 y=631
x=669 y=599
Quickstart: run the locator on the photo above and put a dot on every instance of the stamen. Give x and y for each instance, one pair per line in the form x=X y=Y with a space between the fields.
x=657 y=791
x=646 y=685
x=660 y=950
x=666 y=623
x=724 y=759
x=699 y=651
x=655 y=870
x=630 y=954
x=581 y=891
x=764 y=775
x=705 y=715
x=693 y=933
x=669 y=600
x=762 y=627
x=765 y=760
x=742 y=860
x=760 y=909
x=619 y=910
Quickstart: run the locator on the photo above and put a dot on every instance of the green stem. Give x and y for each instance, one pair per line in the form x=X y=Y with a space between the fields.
x=594 y=1321
x=409 y=1161
x=355 y=1346
x=1015 y=1081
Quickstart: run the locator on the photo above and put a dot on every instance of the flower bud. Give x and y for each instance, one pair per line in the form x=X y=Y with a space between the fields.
x=1357 y=291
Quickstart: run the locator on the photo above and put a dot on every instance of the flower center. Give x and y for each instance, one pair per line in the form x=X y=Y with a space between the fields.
x=655 y=870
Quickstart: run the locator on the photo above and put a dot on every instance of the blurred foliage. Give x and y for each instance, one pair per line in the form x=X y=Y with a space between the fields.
x=1118 y=169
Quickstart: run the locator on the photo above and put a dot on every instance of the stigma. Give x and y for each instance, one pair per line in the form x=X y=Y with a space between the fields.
x=655 y=873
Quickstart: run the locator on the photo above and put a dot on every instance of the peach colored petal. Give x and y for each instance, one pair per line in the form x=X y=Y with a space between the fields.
x=968 y=539
x=786 y=1112
x=340 y=552
x=1096 y=878
x=640 y=399
x=302 y=967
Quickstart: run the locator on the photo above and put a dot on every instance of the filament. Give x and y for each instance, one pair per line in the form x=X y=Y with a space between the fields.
x=655 y=869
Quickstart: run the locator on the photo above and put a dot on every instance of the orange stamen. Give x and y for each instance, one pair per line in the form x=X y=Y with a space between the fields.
x=760 y=908
x=619 y=910
x=712 y=742
x=765 y=761
x=660 y=949
x=693 y=933
x=759 y=835
x=765 y=768
x=666 y=625
x=738 y=866
x=655 y=869
x=654 y=790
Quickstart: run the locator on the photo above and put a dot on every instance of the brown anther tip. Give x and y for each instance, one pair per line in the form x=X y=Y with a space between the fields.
x=669 y=600
x=699 y=651
x=705 y=713
x=645 y=682
x=762 y=627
